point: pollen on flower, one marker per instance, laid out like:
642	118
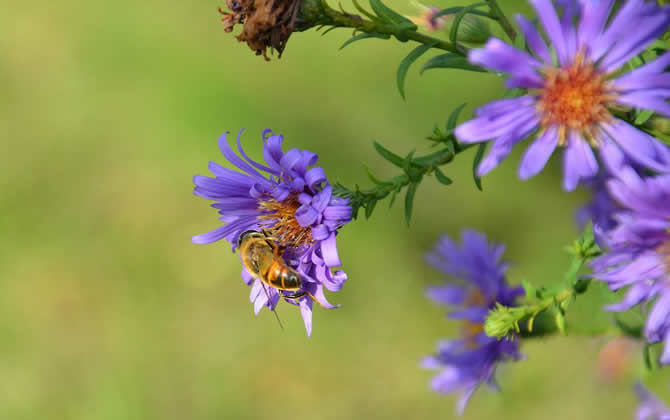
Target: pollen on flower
286	228
574	98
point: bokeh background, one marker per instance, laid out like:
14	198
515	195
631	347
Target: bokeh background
108	311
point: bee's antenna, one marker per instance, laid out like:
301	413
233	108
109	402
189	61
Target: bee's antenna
274	311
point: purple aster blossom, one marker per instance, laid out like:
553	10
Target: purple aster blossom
571	88
650	408
600	210
637	251
470	360
293	200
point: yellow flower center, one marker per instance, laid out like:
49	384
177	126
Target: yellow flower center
574	98
286	229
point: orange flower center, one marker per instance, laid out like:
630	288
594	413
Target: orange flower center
286	230
469	329
664	250
575	98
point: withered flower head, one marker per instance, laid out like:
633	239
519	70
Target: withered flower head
266	23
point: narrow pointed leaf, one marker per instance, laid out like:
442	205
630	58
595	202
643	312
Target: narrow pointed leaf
389	155
409	201
643	116
364	36
450	61
441	177
370	208
453	117
389	15
478	158
454	10
374	179
365	12
407	62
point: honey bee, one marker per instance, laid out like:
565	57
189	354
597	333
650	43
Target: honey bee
262	257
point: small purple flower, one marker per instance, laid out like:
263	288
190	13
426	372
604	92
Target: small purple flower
638	250
471	360
650	408
571	89
291	198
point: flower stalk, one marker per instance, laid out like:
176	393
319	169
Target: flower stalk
318	13
497	14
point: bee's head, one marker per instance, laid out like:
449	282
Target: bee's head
245	235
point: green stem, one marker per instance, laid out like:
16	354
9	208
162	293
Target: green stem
322	14
497	14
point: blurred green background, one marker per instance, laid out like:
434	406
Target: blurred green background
108	311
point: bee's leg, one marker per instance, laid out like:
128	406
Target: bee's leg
296	296
301	294
311	296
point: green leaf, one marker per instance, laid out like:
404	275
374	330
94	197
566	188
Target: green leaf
453	117
478	158
369	208
409	201
643	116
374	179
454	10
365	12
389	155
407	62
389	15
364	36
450	61
441	177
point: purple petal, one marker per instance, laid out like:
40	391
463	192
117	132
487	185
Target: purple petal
447	295
500	56
306	312
552	26
248	159
635	295
639	146
233	158
272	152
646	100
329	251
475	314
290	159
337	212
315	177
579	162
538	154
321	298
260	301
306	215
246	277
320	232
535	41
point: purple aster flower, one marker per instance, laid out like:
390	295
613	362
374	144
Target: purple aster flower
292	199
600	210
638	250
470	360
572	88
650	408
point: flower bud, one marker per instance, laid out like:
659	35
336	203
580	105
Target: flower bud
473	30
